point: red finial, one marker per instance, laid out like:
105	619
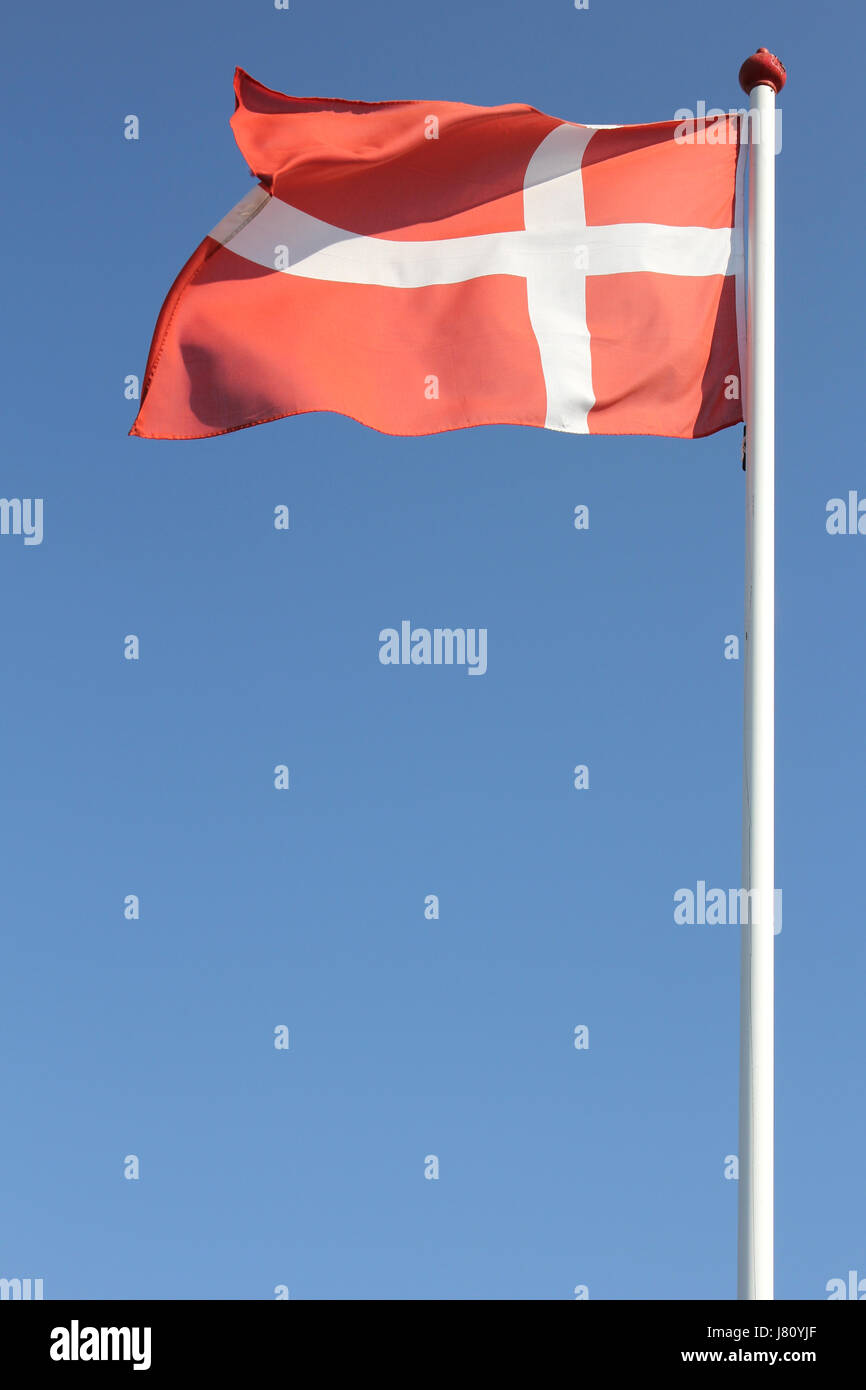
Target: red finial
762	69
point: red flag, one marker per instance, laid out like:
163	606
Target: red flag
422	266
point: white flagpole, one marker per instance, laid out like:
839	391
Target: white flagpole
762	76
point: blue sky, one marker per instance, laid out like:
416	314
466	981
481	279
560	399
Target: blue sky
409	1037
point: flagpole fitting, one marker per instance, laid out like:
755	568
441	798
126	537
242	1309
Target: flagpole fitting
763	69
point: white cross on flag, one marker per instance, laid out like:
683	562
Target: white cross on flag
423	266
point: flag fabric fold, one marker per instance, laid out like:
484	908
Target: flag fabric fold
424	266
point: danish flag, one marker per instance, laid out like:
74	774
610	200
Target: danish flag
423	266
